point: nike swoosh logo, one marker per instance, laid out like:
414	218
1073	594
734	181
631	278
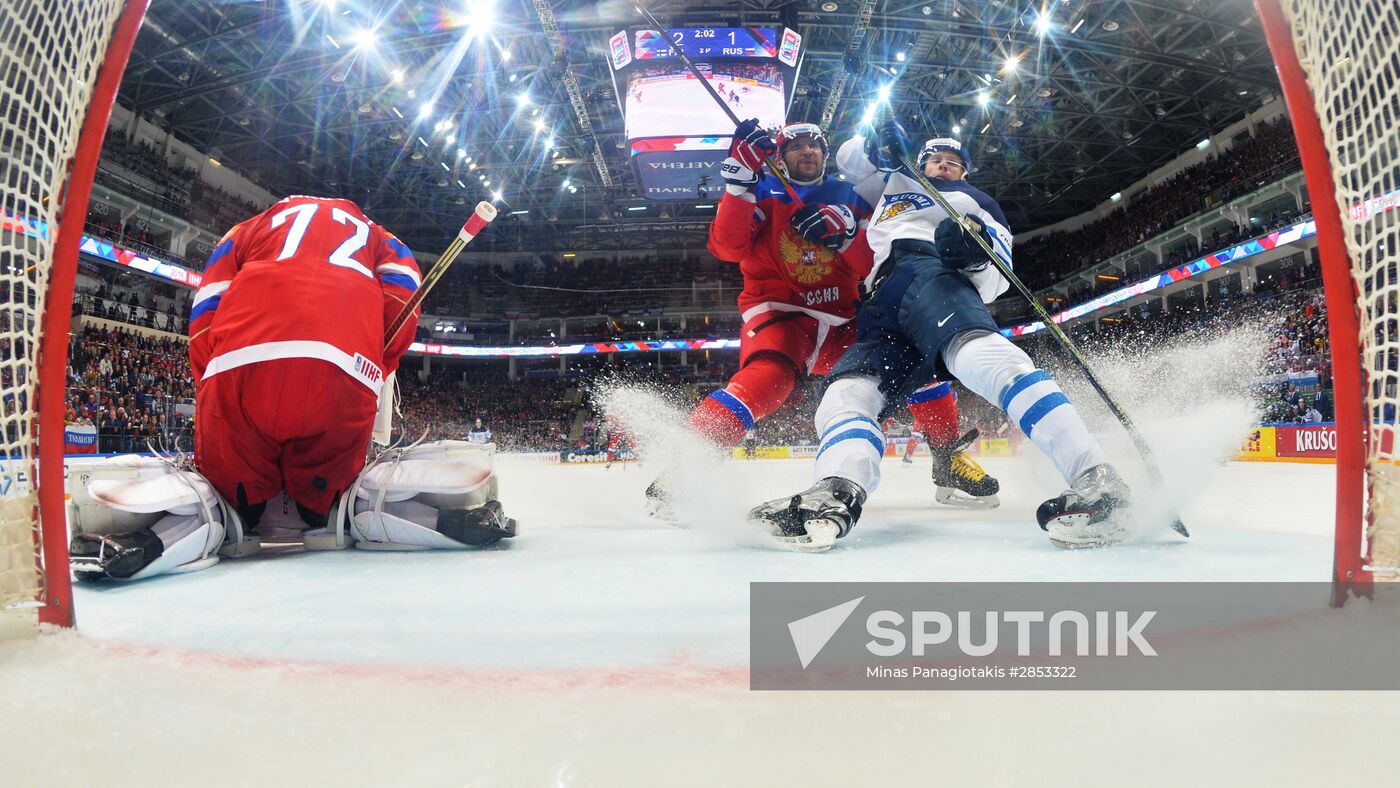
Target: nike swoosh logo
946	319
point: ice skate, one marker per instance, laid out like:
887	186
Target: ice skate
483	525
659	504
119	556
1091	513
959	480
812	520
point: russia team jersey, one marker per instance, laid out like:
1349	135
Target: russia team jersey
782	270
903	209
310	277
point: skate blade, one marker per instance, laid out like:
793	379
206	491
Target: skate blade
664	513
1072	531
820	537
961	500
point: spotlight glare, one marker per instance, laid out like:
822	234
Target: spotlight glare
899	57
397	76
496	195
957	129
425	111
1042	23
522	98
983	99
1011	64
365	39
539	124
885	92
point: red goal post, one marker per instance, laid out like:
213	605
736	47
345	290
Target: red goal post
1339	65
60	65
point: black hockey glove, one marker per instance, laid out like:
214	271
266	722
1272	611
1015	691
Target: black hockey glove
888	145
958	248
832	226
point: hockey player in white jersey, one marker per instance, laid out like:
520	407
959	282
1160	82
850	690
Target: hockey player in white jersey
925	315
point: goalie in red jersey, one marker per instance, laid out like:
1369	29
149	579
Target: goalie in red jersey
288	353
802	265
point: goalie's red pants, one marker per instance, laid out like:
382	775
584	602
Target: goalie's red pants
299	425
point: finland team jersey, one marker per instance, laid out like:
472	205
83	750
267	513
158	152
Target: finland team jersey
903	209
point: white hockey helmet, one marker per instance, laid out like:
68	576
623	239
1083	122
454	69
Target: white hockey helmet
940	144
792	131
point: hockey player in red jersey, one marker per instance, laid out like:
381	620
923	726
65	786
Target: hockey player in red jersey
802	265
288	353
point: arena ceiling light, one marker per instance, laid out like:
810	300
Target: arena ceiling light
1011	64
497	196
539	124
983	99
1042	22
522	99
425	111
364	39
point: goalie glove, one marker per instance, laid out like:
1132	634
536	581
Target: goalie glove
958	248
832	226
888	146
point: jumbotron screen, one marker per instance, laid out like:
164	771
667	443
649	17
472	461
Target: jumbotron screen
677	132
666	100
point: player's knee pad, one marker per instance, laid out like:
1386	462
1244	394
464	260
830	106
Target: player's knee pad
421	498
160	509
986	362
764	384
850	395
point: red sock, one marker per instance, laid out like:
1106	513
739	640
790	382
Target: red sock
911	445
755	392
935	409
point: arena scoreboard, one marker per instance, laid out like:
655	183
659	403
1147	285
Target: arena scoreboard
676	133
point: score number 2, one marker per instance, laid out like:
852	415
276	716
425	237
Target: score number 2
301	216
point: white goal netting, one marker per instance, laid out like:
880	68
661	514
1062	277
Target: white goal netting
1350	51
50	53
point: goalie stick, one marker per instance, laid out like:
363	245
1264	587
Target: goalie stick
1154	472
481	216
705	83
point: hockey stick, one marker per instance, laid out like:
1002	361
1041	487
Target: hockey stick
1154	472
705	83
384	417
481	217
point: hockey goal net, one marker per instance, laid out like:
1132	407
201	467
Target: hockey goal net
60	63
1339	65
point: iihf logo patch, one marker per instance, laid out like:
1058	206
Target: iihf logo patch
895	204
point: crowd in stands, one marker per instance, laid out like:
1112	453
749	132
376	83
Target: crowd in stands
129	386
557	287
138	170
524	416
1249	164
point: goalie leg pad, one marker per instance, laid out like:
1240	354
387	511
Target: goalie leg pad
137	517
402	497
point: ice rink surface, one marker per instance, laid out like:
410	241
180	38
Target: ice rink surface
602	648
